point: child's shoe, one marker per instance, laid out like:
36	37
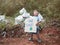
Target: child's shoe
30	39
39	40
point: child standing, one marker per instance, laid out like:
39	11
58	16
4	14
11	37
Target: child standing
39	19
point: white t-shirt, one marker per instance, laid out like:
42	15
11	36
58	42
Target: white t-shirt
39	17
26	15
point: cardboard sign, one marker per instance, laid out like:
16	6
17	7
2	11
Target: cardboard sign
30	25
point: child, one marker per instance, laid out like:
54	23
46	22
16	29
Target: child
39	19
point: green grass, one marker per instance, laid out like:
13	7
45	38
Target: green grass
50	9
2	25
11	22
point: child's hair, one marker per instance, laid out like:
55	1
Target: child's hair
35	11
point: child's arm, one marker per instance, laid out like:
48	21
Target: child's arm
38	23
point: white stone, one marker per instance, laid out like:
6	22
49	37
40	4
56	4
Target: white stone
23	10
2	18
20	18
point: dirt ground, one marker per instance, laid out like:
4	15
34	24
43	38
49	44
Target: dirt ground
49	36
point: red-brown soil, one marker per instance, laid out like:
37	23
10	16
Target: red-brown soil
49	36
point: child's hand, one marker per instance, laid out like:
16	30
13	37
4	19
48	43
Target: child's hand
38	24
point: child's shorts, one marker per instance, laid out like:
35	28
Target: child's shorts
38	30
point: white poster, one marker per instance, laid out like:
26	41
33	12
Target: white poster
30	25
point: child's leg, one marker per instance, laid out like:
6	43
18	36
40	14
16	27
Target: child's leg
31	37
39	40
38	35
38	32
